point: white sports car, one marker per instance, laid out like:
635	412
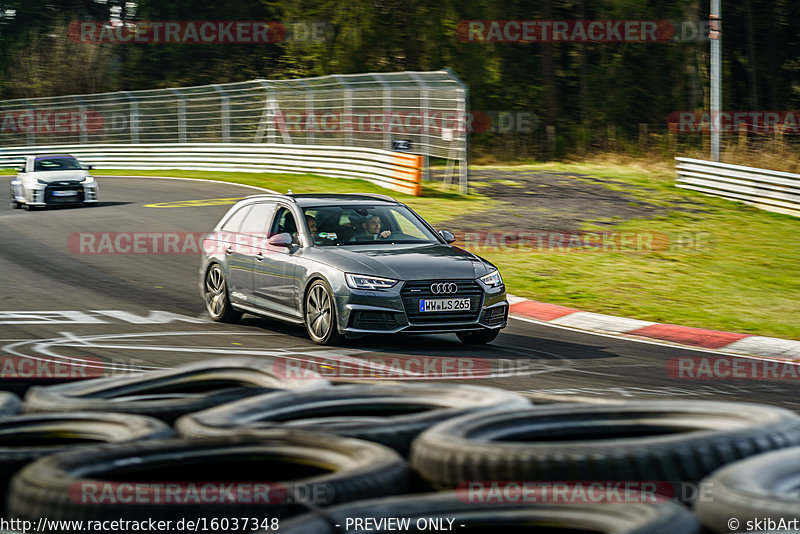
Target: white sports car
47	180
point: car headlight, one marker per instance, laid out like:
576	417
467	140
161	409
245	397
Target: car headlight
493	279
363	281
38	181
88	180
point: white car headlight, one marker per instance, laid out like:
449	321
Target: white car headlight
88	180
493	279
363	281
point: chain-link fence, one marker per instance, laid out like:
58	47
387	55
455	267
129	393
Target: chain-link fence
416	112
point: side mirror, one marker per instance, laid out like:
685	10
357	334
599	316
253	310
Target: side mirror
21	169
447	236
88	167
280	240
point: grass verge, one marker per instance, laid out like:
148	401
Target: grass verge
437	204
728	266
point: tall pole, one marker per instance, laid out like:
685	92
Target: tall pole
715	35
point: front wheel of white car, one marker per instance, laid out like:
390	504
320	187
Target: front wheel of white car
13	202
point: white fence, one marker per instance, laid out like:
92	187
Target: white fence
423	113
394	170
769	190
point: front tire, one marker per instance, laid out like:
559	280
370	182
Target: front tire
482	337
218	303
320	314
13	202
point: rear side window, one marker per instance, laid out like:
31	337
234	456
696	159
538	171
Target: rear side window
258	218
234	222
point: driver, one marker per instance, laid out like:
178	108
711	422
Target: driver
372	230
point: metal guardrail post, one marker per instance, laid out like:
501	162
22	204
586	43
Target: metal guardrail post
424	109
133	119
30	138
83	135
225	113
387	111
309	135
348	110
181	114
463	174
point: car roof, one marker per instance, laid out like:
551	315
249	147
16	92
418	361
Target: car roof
326	199
42	156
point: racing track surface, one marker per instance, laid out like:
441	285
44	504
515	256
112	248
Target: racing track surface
121	311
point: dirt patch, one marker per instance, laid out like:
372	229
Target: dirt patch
537	200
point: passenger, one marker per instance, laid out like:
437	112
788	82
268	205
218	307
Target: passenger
312	227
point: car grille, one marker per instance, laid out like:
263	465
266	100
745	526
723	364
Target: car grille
53	193
415	290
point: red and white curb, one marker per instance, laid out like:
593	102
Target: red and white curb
767	347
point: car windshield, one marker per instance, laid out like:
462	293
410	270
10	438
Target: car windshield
56	164
358	225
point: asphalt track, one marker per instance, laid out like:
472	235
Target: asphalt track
116	312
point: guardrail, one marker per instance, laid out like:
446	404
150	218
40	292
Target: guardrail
769	190
393	170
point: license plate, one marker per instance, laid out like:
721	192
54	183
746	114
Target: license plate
64	193
439	305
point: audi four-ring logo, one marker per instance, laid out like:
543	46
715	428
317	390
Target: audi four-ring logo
443	287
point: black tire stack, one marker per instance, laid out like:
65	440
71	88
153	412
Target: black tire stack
406	451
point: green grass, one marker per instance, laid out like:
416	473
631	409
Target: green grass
742	277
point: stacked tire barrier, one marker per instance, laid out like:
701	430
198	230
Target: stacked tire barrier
315	455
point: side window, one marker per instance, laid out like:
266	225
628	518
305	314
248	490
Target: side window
257	219
284	222
234	222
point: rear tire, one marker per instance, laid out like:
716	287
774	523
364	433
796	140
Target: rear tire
320	315
218	303
481	337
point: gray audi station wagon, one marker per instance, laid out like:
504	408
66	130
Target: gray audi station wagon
348	265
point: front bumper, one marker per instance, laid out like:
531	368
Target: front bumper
57	194
396	310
